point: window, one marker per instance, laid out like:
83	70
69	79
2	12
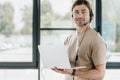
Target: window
110	31
16	33
56	20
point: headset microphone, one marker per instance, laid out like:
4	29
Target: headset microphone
85	23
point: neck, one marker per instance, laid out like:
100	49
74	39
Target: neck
82	29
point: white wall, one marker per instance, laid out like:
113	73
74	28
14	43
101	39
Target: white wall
32	74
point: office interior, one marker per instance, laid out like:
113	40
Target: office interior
25	24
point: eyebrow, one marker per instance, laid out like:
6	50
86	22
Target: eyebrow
81	10
84	10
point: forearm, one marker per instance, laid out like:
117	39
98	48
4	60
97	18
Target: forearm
97	73
90	74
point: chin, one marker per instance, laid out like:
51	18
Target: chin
80	25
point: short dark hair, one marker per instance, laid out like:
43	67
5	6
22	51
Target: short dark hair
85	2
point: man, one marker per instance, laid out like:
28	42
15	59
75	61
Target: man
85	46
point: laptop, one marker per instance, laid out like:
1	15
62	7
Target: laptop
55	56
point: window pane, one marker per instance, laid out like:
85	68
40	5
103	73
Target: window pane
111	28
16	30
54	37
57	14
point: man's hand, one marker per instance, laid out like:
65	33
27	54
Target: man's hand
63	71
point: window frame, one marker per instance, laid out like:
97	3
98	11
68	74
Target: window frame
109	65
98	28
35	41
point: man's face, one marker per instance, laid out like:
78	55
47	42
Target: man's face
81	15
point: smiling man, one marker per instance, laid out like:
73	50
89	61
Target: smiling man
85	46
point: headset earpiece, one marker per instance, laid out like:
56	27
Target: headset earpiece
91	15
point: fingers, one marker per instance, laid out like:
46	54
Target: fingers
63	71
58	70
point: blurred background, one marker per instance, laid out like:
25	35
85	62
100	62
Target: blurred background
17	35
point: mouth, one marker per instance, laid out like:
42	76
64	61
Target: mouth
80	21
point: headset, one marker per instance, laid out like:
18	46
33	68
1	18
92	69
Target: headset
91	15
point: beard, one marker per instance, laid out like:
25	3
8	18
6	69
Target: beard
82	24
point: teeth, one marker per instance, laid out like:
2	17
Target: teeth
81	21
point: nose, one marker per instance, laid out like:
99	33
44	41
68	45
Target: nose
80	15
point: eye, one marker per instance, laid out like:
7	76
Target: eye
83	12
76	12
